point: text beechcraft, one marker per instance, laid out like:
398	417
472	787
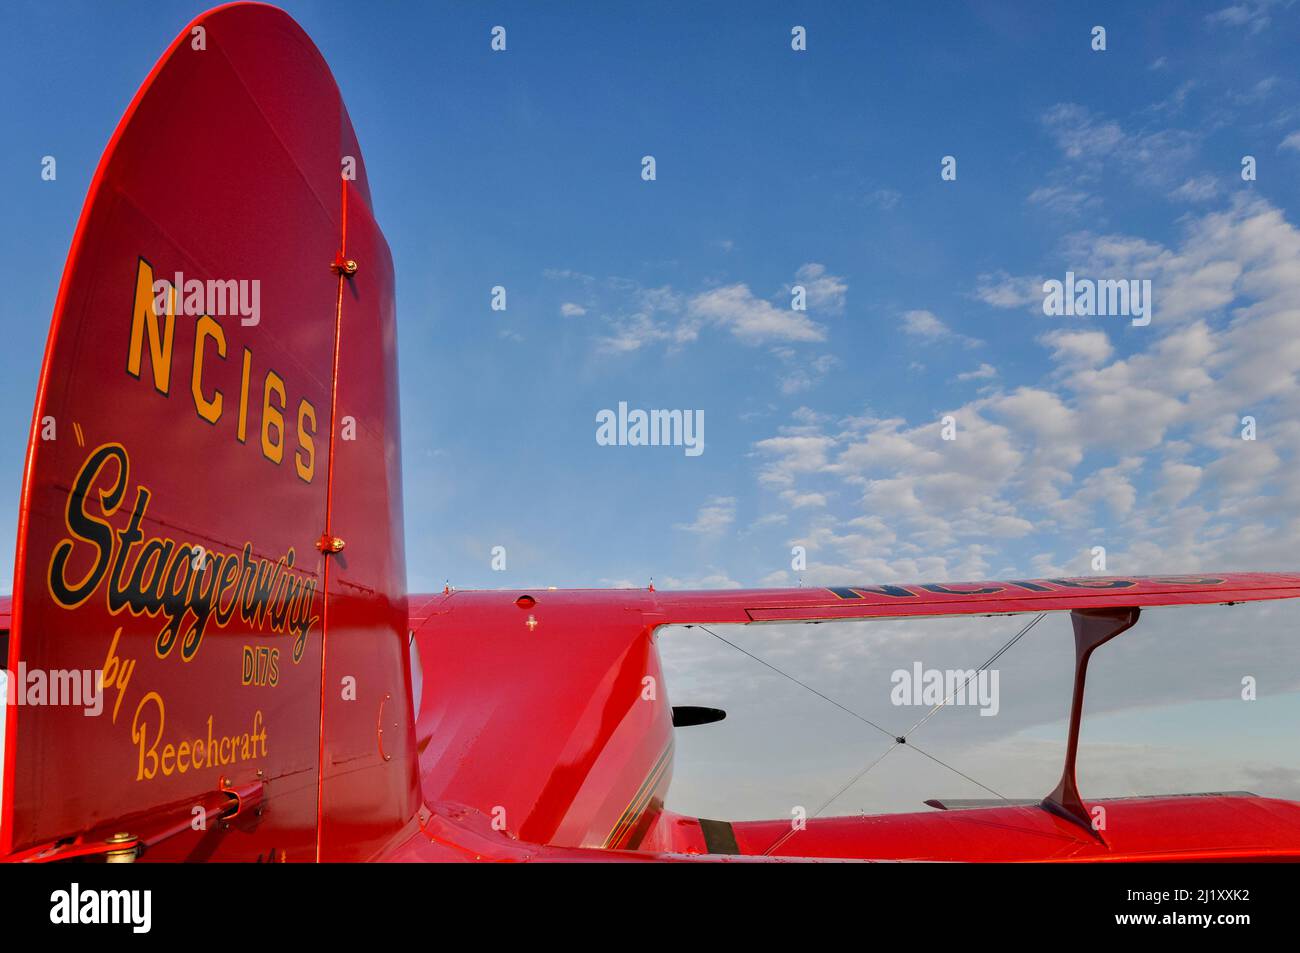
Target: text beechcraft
211	521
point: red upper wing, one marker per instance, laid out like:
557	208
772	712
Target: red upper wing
969	598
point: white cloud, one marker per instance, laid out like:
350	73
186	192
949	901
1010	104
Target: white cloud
1061	199
1142	446
803	376
794	455
984	372
633	332
1177	482
1200	188
714	580
1088	140
926	326
1175	101
713	518
1001	290
1089	348
635	317
1080	134
1251	15
801	500
826	292
750	319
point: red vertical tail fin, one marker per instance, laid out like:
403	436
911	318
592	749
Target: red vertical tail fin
188	454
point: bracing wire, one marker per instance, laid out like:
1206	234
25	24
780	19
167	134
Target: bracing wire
898	740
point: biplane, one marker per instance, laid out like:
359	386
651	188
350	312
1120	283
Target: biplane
211	523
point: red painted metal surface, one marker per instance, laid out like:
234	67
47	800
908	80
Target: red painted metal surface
284	709
218	434
968	598
555	701
370	788
554	717
1138	829
1093	628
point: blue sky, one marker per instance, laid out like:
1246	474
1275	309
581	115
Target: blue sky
774	167
523	169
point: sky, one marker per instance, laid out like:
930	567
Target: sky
823	169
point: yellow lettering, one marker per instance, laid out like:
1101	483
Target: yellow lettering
116	672
273	417
242	433
160	340
209	410
139	732
169	759
306	467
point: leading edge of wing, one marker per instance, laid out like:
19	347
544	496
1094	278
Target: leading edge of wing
828	603
910	600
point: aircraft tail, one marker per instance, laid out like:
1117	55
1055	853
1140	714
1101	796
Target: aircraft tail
209	634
